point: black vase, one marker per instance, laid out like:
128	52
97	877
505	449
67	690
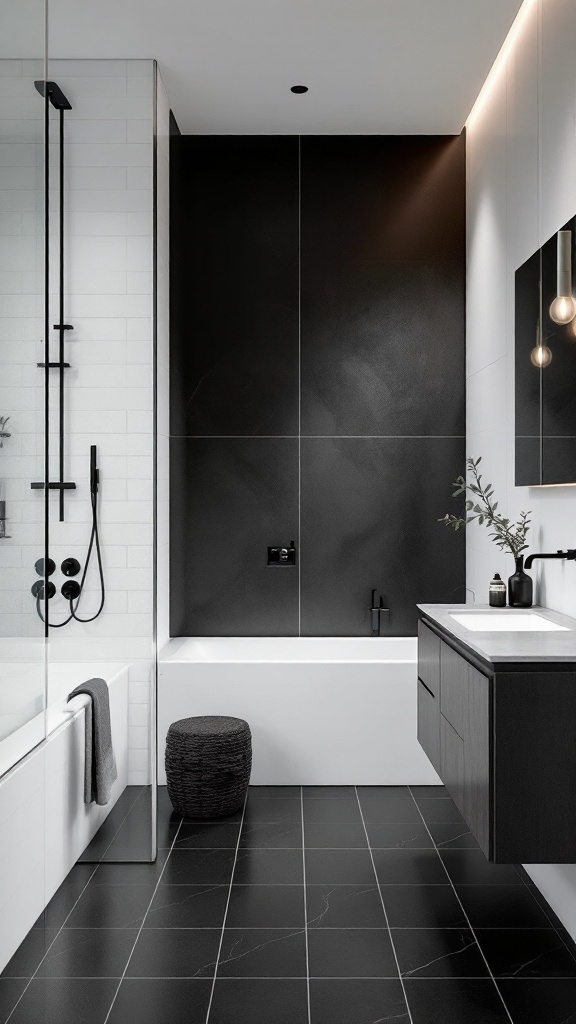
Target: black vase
520	587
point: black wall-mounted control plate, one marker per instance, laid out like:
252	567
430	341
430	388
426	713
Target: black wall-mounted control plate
282	556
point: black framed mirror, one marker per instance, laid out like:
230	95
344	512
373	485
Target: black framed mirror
545	363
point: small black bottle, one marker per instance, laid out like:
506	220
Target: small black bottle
497	592
520	587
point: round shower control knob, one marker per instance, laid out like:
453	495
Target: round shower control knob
70	589
37	589
50	567
70	566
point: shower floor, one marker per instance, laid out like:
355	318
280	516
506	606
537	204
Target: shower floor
387	912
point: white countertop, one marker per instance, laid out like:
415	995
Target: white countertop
507	647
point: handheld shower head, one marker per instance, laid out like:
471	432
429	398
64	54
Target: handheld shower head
94	472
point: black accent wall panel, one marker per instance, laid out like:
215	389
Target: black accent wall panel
229	499
370	510
234	294
317	379
383	285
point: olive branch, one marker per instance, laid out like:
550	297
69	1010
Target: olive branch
506	535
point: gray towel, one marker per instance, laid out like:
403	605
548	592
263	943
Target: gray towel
100	764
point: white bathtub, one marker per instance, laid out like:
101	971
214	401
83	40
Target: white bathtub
323	711
44	823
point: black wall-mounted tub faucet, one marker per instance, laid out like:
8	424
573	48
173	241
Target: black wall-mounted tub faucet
377	608
569	556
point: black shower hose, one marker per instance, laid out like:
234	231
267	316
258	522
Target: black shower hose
94	542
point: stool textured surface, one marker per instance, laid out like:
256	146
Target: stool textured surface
208	764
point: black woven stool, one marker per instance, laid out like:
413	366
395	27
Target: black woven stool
208	763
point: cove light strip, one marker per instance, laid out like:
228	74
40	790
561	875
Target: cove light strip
501	60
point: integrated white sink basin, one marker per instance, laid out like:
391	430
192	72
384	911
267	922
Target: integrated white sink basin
506	622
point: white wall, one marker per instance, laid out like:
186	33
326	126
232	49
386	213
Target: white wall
521	189
109	389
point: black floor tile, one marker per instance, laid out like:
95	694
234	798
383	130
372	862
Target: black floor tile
269	835
130	874
332	837
29	953
470	867
263	953
328	792
273	809
161	1001
266	906
89	953
501	906
259	1001
199	867
455	1001
65	1001
335	811
351	953
422	906
10	991
386	811
545	1001
111	906
207	837
438	953
344	906
530	953
66	896
339	866
429	792
269	867
175	953
409	867
443	812
109	829
452	837
289	792
188	906
350	1001
399	837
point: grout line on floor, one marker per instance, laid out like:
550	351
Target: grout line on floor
305	907
225	912
71	911
384	910
473	931
141	926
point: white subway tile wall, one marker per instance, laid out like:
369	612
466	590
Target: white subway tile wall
109	238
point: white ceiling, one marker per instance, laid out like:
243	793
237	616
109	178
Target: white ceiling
372	66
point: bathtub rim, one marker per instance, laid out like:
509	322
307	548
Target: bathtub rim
173	652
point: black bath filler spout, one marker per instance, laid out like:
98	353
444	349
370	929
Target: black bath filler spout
568	556
377	609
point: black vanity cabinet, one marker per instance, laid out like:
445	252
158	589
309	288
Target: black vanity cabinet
503	740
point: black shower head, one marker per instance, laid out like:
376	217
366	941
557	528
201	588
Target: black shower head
55	94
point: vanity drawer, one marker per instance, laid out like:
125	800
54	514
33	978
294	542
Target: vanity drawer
429	724
453	702
452	763
429	658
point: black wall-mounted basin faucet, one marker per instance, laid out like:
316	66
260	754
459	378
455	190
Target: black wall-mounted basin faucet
568	556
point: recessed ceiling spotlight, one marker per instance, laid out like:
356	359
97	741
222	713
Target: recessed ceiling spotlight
299	88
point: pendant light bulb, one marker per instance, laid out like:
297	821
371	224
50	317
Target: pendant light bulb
563	309
540	356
